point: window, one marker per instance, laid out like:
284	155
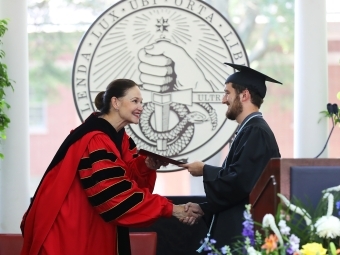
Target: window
38	118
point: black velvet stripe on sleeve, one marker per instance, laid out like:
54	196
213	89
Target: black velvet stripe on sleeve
110	192
123	207
103	154
101	175
87	182
85	163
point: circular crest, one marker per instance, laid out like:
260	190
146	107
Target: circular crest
174	50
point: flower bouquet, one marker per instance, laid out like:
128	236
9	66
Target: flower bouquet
293	230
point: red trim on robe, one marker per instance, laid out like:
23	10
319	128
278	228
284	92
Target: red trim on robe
62	221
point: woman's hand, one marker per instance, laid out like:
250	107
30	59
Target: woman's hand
154	163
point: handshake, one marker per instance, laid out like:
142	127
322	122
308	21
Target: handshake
188	213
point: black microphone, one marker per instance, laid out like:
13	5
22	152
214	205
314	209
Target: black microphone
335	109
331	110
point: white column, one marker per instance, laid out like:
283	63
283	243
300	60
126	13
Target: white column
14	169
311	81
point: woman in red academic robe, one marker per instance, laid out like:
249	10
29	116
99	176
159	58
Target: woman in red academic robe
97	185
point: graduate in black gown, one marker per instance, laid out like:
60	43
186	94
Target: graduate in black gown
227	187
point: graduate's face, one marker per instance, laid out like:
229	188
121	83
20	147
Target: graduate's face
129	107
232	99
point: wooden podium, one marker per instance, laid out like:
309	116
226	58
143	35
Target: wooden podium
292	178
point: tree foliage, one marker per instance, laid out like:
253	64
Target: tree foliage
51	57
5	82
51	51
266	28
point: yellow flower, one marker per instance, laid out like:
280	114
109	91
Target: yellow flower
270	243
313	249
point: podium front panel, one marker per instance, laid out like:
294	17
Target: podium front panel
307	182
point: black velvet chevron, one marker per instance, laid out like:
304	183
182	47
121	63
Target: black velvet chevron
92	123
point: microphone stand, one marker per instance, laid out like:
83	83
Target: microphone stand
327	139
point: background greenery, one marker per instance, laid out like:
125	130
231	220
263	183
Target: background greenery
5	82
265	27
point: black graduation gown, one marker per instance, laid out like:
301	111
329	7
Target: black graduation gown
228	187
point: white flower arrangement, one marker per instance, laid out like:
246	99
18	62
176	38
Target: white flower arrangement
283	234
328	226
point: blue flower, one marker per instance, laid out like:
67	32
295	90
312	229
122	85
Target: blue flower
212	241
338	206
248	227
247	215
294	243
224	250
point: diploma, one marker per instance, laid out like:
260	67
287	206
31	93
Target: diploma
159	157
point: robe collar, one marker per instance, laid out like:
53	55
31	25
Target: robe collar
244	122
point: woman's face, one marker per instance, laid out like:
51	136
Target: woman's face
130	106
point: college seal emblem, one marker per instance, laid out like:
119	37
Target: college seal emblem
174	50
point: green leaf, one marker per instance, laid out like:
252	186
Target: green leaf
332	248
4	83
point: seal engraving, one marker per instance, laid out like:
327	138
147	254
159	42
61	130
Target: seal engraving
174	50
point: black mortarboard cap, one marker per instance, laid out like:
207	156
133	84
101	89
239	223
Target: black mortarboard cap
250	78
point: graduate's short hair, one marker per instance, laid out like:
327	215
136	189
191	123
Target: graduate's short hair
255	98
117	88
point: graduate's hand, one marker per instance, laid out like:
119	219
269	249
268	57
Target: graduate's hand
184	216
154	163
194	212
195	168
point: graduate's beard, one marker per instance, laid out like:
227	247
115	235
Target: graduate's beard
235	109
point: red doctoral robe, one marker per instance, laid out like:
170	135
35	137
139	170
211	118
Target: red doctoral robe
95	187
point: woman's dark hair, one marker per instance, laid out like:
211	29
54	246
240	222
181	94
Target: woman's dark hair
116	88
255	98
